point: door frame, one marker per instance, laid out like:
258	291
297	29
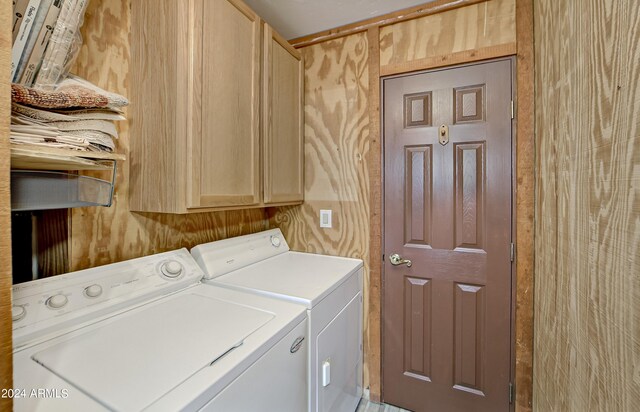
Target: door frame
512	343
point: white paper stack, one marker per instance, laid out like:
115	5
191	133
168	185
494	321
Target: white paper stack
62	46
83	129
34	22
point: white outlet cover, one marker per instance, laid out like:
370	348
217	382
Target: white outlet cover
325	218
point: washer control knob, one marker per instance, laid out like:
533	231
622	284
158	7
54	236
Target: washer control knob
18	312
171	269
93	291
275	241
57	301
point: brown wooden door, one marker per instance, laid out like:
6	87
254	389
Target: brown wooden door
447	318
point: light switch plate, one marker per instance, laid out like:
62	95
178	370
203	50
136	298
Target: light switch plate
325	218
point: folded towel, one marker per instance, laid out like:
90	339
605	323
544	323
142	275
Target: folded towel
54	116
72	92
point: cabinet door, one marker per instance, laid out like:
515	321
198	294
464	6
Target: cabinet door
283	121
225	135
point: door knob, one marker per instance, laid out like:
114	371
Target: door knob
396	260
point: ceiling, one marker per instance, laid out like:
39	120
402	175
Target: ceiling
296	18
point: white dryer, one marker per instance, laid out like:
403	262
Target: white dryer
145	334
331	289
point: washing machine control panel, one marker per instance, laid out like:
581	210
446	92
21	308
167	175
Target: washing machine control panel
171	269
44	303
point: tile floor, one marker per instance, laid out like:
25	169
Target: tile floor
366	405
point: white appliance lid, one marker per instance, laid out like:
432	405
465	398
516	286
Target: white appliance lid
129	363
300	277
224	256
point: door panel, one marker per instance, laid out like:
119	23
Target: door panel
418	192
469	170
447	317
417	333
469	337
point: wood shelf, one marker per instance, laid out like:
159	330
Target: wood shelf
35	157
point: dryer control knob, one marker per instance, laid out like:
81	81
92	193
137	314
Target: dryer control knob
18	312
275	241
93	291
171	269
57	301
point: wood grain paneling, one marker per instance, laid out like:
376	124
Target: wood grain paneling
501	26
476	32
587	290
524	207
336	152
373	353
53	245
6	362
432	7
105	235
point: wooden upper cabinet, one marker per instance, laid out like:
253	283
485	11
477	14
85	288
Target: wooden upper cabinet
283	120
225	166
205	135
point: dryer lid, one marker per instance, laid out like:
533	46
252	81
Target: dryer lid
304	278
136	358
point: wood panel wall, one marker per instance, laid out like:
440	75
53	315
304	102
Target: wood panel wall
106	235
336	113
524	206
476	32
6	362
342	147
587	292
451	32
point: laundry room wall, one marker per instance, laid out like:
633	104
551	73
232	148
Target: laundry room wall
337	157
587	291
342	141
6	364
104	235
342	151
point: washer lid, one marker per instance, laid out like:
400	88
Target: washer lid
132	361
299	277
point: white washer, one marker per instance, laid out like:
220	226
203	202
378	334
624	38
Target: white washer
147	335
331	289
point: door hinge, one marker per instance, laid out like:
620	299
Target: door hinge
513	110
512	252
510	393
